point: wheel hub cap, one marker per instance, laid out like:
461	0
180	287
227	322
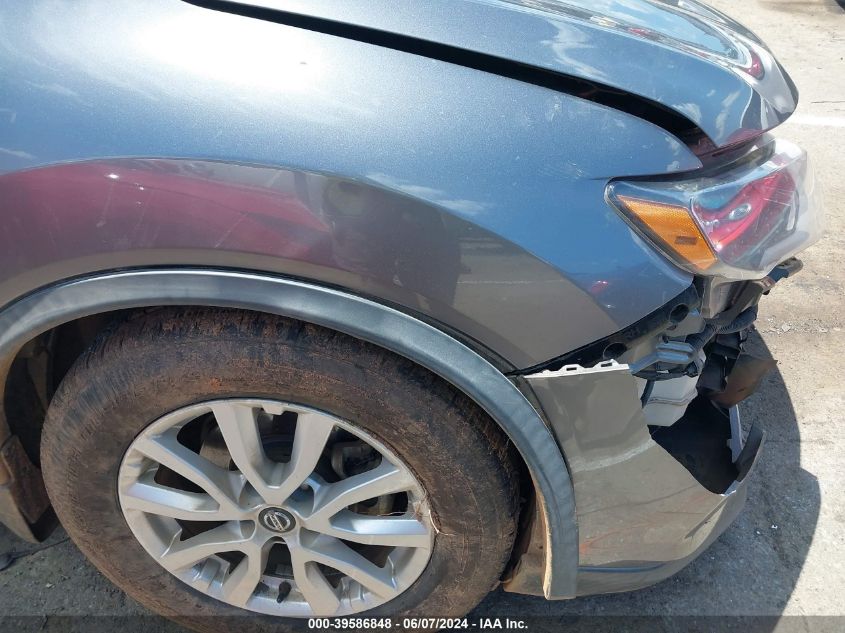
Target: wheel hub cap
277	520
276	508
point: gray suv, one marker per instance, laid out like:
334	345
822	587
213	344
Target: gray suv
367	307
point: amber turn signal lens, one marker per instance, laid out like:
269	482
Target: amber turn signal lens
675	227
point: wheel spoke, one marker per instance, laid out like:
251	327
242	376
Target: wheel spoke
320	595
241	582
384	479
187	553
336	554
220	484
239	425
401	531
148	496
312	432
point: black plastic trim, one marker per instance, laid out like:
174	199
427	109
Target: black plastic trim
592	353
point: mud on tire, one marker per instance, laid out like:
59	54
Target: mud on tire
157	362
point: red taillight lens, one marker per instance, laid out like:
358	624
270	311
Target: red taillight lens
750	216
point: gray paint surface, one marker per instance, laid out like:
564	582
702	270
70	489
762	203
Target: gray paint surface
94	80
643	47
527	165
97	215
641	514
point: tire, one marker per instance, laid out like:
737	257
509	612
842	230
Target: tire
158	362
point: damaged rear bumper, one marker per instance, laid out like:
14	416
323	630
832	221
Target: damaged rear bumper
648	499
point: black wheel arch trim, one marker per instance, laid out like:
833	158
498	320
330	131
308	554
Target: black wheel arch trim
371	321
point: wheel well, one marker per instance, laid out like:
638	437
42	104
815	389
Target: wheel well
42	333
42	363
37	370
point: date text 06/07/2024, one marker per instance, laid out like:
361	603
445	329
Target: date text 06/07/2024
412	624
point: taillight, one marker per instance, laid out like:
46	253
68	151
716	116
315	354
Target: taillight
738	223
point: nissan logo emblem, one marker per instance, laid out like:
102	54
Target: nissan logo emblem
276	519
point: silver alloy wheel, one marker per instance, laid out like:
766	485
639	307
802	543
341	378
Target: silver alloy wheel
280	537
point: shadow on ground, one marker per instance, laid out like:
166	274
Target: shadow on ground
804	6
